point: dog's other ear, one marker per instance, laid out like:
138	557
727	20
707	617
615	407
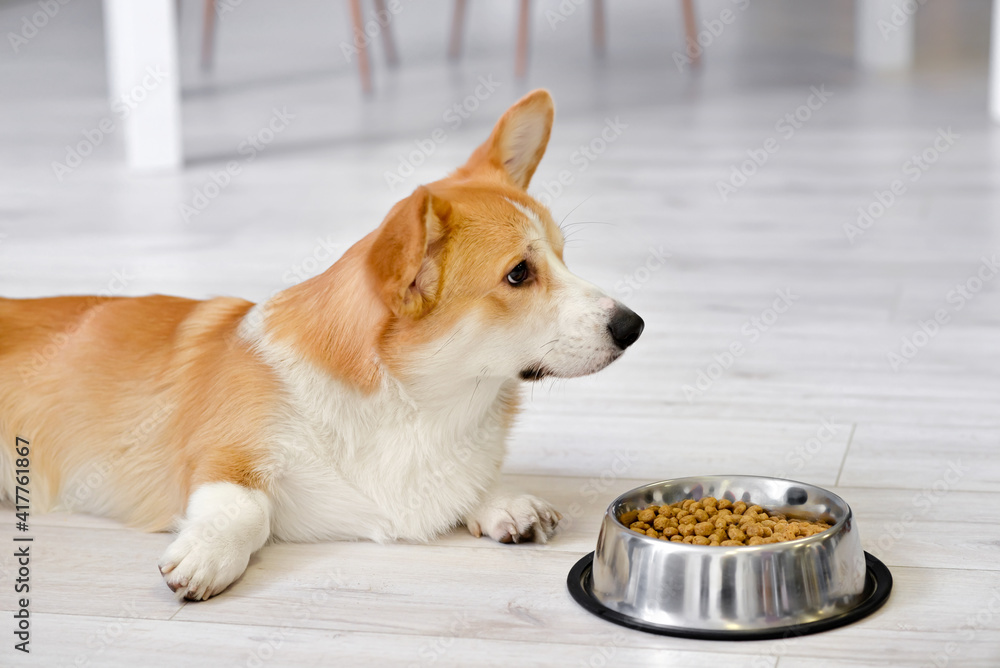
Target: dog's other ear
518	141
403	258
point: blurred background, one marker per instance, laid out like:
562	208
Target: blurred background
737	185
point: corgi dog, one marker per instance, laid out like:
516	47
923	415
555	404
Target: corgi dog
372	401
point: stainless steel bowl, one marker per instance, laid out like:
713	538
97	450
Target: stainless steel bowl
758	588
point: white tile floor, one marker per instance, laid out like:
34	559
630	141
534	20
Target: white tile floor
894	434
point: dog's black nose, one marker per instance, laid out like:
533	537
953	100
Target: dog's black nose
625	327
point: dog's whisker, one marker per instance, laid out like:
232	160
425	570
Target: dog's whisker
568	233
584	201
591	222
450	339
473	395
540	366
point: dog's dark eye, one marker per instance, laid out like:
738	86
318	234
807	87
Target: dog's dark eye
518	274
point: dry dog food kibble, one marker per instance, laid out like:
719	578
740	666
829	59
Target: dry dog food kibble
711	521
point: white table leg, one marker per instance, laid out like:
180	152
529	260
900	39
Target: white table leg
883	33
995	63
144	80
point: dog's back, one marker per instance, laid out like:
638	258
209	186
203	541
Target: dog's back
95	385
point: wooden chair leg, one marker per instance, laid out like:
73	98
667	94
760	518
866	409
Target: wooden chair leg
691	32
364	67
521	63
457	26
208	36
391	57
599	27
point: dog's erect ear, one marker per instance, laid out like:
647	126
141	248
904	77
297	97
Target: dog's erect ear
518	141
403	258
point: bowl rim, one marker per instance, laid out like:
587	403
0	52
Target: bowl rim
816	537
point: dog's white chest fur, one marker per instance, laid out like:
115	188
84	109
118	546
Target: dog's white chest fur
381	467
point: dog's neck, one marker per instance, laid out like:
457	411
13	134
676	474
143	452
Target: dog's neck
453	410
326	330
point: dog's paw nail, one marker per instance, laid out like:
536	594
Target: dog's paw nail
518	519
474	528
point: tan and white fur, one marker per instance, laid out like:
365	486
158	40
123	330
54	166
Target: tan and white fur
370	402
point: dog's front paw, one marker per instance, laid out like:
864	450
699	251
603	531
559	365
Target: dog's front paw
197	567
512	519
